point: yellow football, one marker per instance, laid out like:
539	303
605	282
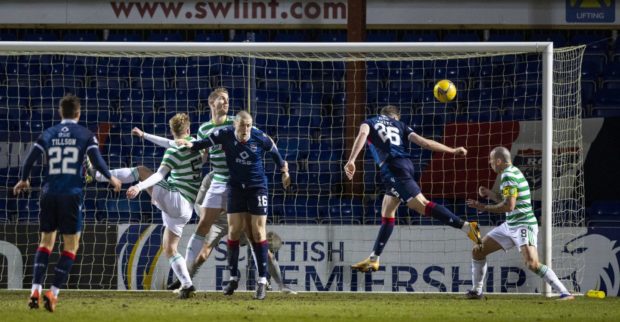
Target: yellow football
444	91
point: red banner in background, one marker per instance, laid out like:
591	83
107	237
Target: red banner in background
449	176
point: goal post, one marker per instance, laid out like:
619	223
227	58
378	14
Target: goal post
524	95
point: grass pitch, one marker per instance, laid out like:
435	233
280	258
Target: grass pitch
95	306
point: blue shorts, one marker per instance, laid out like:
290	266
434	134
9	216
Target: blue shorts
397	175
251	200
60	212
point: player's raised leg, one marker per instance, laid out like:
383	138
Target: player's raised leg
443	214
388	219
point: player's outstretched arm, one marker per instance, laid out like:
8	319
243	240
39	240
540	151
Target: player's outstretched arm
488	193
93	154
152	180
435	146
503	206
158	140
362	135
24	183
269	145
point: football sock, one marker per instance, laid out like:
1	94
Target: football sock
125	175
548	275
442	214
180	270
261	249
194	247
62	269
233	258
478	273
385	231
41	258
465	227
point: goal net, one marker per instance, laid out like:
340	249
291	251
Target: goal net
311	98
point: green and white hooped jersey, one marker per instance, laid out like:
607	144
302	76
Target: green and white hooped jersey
216	154
186	170
514	184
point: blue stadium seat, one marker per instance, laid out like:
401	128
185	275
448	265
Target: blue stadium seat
607	98
290	36
612	71
209	36
172	36
40	35
461	36
332	36
503	36
597	42
413	36
344	211
381	36
28	210
557	37
588	88
8	35
243	35
80	36
301	210
124	36
293	148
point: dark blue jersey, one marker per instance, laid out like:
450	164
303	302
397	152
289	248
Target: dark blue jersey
64	146
244	159
388	138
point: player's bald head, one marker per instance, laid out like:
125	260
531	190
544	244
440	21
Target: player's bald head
243	116
502	154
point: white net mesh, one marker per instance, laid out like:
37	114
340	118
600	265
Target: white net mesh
311	104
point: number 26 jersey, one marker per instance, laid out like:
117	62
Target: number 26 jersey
388	138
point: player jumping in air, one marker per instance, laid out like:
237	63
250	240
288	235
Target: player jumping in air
387	139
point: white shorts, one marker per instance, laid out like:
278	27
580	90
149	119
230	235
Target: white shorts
176	211
509	237
216	197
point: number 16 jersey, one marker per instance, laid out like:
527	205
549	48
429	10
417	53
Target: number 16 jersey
388	138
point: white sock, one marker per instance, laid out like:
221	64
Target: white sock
478	273
373	257
180	270
548	275
194	246
262	280
465	227
36	287
55	290
125	175
274	271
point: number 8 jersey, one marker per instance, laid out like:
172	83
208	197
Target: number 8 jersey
387	138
